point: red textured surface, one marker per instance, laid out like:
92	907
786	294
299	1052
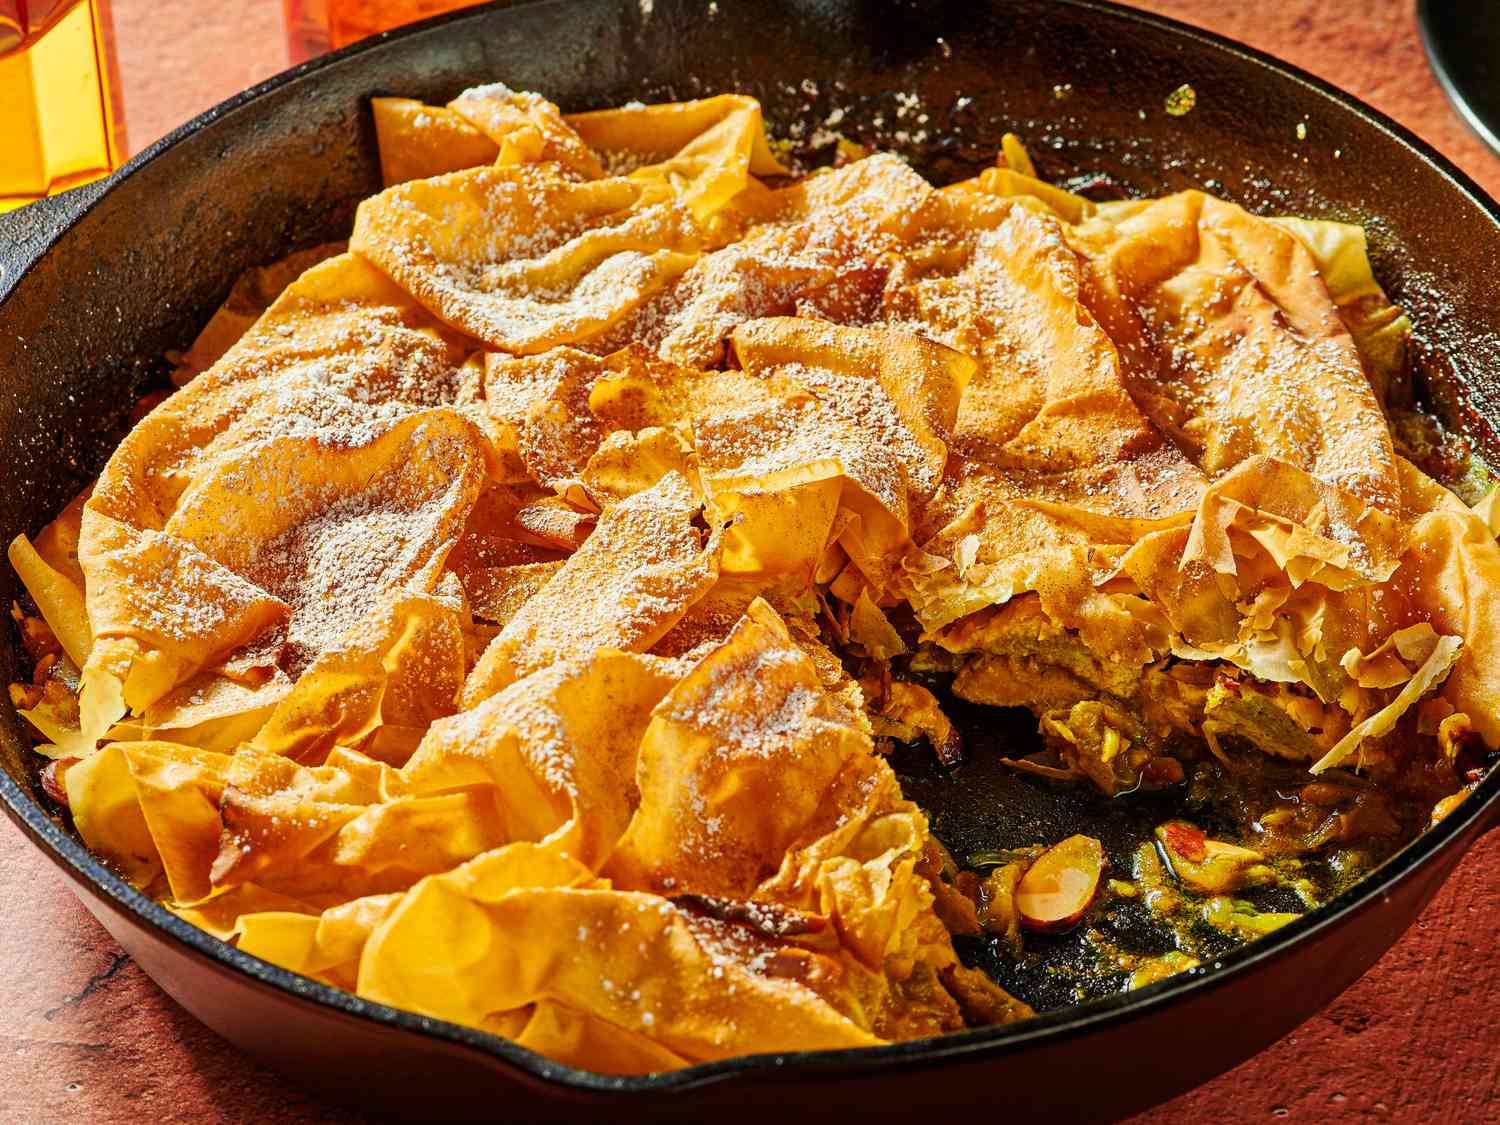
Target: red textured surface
86	1037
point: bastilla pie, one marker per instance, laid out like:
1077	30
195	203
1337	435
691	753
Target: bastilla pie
509	614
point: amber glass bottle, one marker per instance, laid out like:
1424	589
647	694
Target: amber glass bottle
315	26
60	122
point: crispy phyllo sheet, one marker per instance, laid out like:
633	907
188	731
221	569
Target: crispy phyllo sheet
521	257
1233	345
417	141
645	564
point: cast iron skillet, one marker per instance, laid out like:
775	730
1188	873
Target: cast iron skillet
96	286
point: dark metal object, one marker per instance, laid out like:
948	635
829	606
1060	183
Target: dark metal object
95	285
1462	38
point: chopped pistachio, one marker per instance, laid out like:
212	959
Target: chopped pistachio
1181	101
1210	866
1160	968
1235	916
1305	890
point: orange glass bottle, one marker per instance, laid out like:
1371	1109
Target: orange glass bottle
60	120
315	26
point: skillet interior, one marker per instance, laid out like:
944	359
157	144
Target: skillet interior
83	331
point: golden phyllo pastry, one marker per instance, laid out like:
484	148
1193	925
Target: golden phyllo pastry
506	620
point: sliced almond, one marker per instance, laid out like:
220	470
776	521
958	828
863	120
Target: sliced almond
1061	884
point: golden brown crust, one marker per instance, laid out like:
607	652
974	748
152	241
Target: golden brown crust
502	626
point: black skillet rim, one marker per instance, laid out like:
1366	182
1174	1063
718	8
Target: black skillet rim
72	856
